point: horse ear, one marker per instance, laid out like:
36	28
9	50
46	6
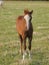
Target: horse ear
26	11
31	12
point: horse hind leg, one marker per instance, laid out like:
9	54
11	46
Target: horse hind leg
21	48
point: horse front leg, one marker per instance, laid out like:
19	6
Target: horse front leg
24	49
30	40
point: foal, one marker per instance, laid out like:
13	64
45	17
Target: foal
25	30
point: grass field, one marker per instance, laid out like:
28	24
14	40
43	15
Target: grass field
9	40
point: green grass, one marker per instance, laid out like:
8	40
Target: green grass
9	40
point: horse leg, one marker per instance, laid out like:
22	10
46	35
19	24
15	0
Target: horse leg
21	50
24	46
30	39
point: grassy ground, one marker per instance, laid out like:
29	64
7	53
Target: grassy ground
9	40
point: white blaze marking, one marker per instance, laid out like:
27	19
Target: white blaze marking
27	18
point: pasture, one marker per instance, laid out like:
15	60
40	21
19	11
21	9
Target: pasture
9	39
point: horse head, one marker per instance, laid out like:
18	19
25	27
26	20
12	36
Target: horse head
28	17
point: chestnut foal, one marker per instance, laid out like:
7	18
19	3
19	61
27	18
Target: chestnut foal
25	30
